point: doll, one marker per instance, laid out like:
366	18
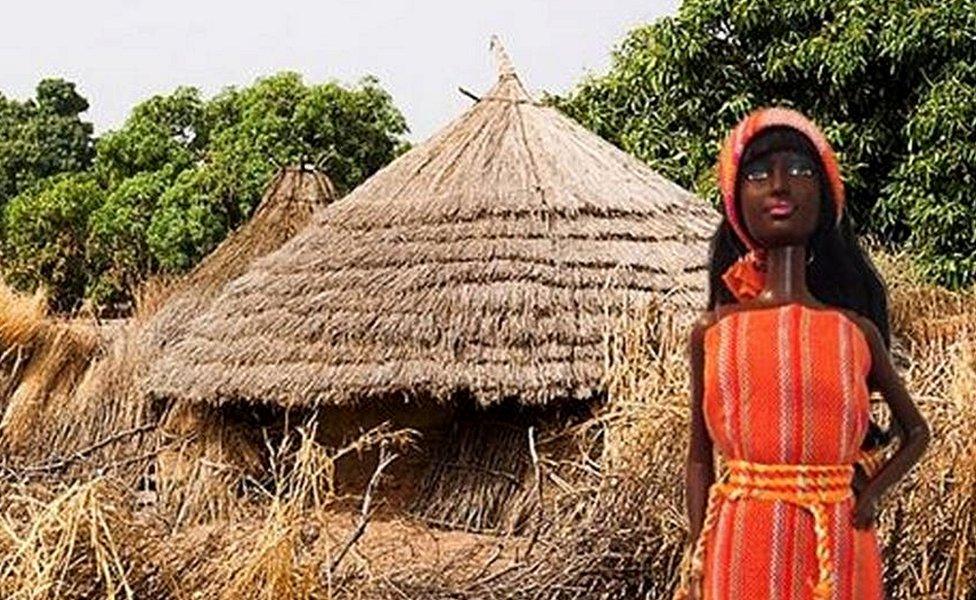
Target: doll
782	365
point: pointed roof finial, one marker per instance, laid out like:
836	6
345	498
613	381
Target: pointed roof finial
502	61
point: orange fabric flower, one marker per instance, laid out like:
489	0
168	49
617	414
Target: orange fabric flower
746	277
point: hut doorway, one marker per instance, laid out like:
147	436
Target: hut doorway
479	476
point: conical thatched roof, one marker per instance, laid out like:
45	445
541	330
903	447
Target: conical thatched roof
483	261
286	207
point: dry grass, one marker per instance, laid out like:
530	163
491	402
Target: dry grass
925	316
201	463
928	524
610	524
60	356
284	542
74	405
74	541
20	316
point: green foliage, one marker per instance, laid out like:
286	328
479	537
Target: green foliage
164	131
44	231
118	253
280	120
42	137
934	189
865	70
187	223
167	187
249	132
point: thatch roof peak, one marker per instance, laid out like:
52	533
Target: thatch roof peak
509	86
502	61
289	200
485	260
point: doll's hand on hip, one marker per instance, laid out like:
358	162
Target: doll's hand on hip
686	593
865	512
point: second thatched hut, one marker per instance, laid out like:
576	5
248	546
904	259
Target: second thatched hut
80	396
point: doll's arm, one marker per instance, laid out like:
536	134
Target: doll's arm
914	429
700	465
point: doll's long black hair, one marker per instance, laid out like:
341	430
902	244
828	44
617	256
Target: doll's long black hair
839	271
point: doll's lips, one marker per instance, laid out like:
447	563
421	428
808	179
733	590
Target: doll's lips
780	209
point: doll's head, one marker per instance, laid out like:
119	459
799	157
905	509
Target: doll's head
780	196
781	185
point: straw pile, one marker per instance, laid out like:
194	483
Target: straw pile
60	354
929	527
20	318
73	542
110	423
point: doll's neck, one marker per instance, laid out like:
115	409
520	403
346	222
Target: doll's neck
786	275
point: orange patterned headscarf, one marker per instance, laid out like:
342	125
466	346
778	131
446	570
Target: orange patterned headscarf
746	277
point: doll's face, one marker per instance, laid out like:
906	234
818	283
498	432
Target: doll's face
780	196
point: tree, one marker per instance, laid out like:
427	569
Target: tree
934	189
188	223
167	187
42	137
234	145
43	232
866	71
118	254
162	132
280	120
223	152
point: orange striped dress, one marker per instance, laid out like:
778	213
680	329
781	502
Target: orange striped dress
786	385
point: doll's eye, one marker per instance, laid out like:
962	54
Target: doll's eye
800	170
759	173
799	166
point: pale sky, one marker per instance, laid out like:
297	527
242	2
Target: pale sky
120	52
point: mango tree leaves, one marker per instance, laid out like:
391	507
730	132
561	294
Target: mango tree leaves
42	137
865	70
44	232
167	187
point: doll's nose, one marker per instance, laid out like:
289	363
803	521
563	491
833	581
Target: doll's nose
779	180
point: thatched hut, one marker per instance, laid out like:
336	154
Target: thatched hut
481	269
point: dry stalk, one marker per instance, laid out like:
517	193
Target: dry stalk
71	546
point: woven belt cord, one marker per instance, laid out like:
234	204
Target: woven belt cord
810	487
